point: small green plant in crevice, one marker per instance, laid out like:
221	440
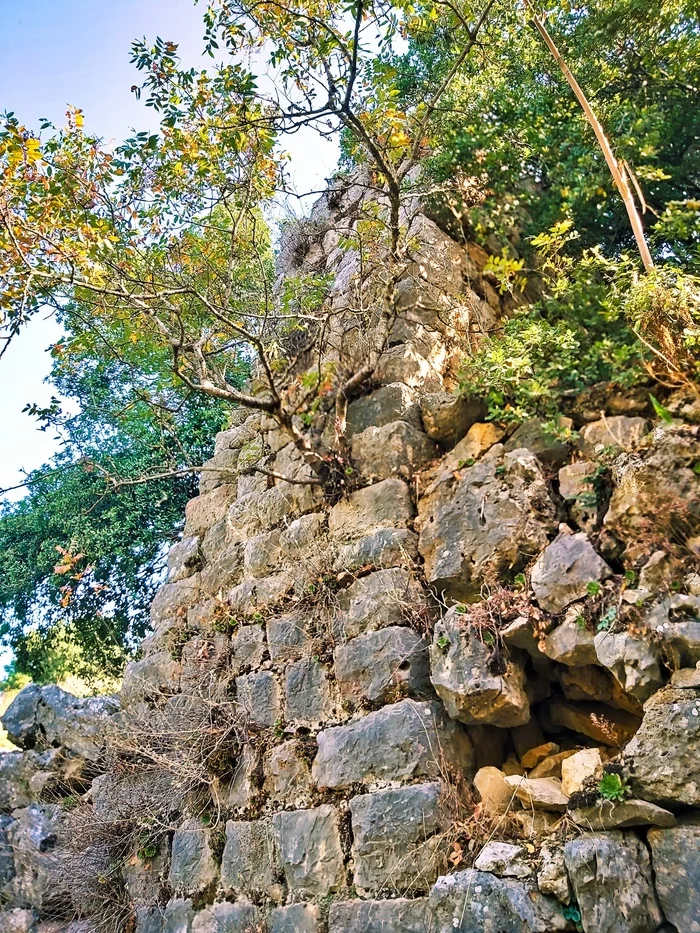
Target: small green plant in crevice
593	588
573	914
443	642
612	786
607	619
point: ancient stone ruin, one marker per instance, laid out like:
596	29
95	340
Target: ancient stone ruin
461	696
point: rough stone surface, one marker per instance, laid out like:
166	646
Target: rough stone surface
307	694
447	418
258	698
399	915
533	435
395	843
675	856
395	449
618	432
224	917
494	791
551	874
376	601
386	548
633	662
578	768
297	918
610	874
608	814
310	851
398	742
192	866
662	758
564	570
493	516
249	862
504	860
382	505
601	723
539	793
389	403
478	902
463	674
383	665
570	644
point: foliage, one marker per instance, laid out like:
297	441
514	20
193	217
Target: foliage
612	787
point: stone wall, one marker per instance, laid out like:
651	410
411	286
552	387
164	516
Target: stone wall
406	710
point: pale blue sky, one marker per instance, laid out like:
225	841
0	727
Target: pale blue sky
59	52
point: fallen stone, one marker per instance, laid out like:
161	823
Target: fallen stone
579	768
551	766
539	793
564	570
383	505
383	665
462	672
662	759
398	915
495	793
609	814
688	678
478	902
675	856
489	518
601	723
633	662
504	860
611	877
534	756
394	449
396	841
617	432
310	850
399	742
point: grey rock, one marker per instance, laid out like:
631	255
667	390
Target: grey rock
33	837
394	449
219	469
192	866
310	850
249	863
307	693
247	647
447	417
178	916
491	517
675	856
461	671
155	675
397	845
608	814
223	570
288	636
262	554
395	402
571	644
302	536
382	505
378	666
172	600
288	775
533	435
399	915
51	716
7	859
618	432
149	920
633	662
224	917
675	622
203	660
206	510
184	559
386	548
18	921
398	742
297	918
564	570
663	757
551	874
504	860
381	599
17	771
611	877
478	902
259	698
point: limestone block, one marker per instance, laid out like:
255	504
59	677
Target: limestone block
675	856
383	665
397	845
618	432
539	793
571	644
219	469
564	570
395	449
223	917
204	511
386	504
297	918
172	600
579	768
675	622
551	874
663	759
478	902
395	402
379	600
17	771
610	874
184	559
504	860
533	435
489	518
494	791
601	723
307	693
379	549
288	775
262	554
633	662
398	742
32	837
310	850
192	866
223	570
461	672
178	916
609	814
448	417
258	697
404	364
398	915
249	862
156	675
288	636
247	647
302	536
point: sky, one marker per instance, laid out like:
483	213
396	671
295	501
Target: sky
59	52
